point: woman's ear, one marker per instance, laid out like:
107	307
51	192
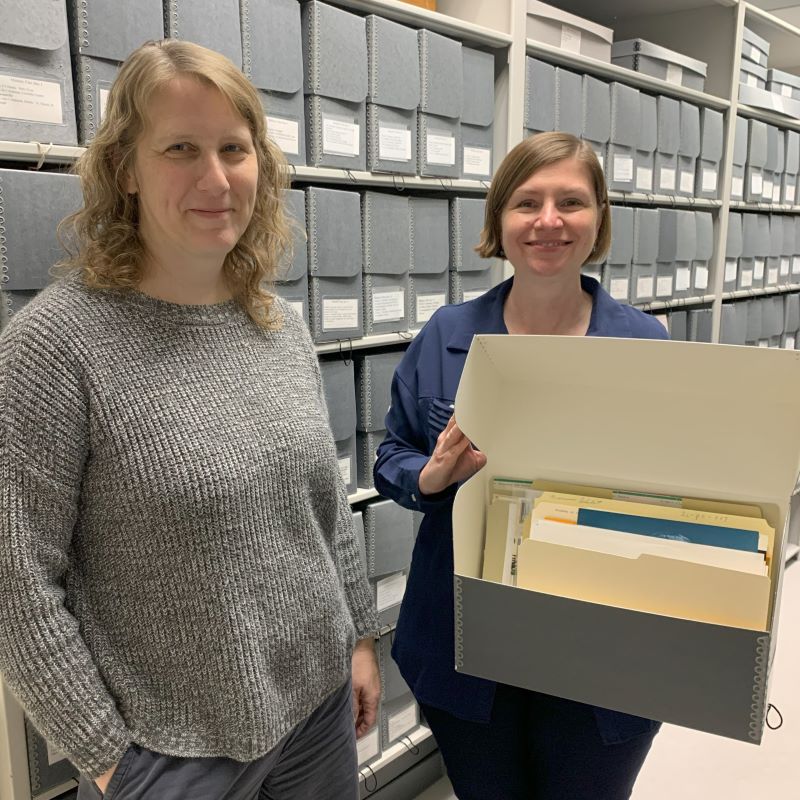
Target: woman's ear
129	181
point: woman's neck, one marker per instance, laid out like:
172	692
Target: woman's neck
547	306
184	283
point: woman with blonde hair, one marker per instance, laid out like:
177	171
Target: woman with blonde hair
547	213
182	609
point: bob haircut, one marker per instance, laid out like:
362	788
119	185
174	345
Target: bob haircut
102	239
530	155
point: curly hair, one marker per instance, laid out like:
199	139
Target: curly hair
530	155
102	239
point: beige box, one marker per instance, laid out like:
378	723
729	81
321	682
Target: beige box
557	28
524	400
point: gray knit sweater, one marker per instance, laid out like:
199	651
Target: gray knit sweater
178	566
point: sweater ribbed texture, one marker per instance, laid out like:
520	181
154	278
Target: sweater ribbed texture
178	566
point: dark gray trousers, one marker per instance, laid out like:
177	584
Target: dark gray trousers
315	761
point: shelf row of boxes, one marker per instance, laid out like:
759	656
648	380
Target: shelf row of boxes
646	143
756	321
656	254
338	89
380	262
761	250
766	163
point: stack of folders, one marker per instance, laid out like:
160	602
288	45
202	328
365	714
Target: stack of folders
676	556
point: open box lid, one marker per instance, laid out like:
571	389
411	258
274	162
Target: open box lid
642	415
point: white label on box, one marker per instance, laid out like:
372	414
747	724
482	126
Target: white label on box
340	137
285	133
737	187
619	288
394	144
758	269
344	469
440	149
785	266
53	755
746	278
297	306
427	304
776	193
795	265
339	314
755	54
786	90
388	306
709	183
473	295
790	195
757	183
763	342
570	39
623	168
644	286
687	182
772	276
389	591
644	179
478	161
402	722
730	270
30	100
667	179
789	342
600	158
766	190
664	286
750	79
701	278
368	746
674	74
103	101
683	279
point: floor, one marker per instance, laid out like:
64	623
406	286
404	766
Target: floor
689	765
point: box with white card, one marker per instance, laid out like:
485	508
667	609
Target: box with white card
791	166
373	397
387	256
389	535
704	223
428	281
754	316
773	269
340	397
540	96
689	149
796	252
441	101
786	84
647	143
756	160
335	72
625	121
659	62
272	50
569	95
773	164
31	206
388	591
733	323
291	280
677	247
617	626
104	33
708	164
669	141
398	718
596	106
571	33
466	286
753	75
755	49
469	273
788	249
738	168
393	89
734	247
335	261
747	259
617	269
645	252
791	320
36	98
477	114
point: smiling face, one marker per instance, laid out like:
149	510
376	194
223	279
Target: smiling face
195	174
551	220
